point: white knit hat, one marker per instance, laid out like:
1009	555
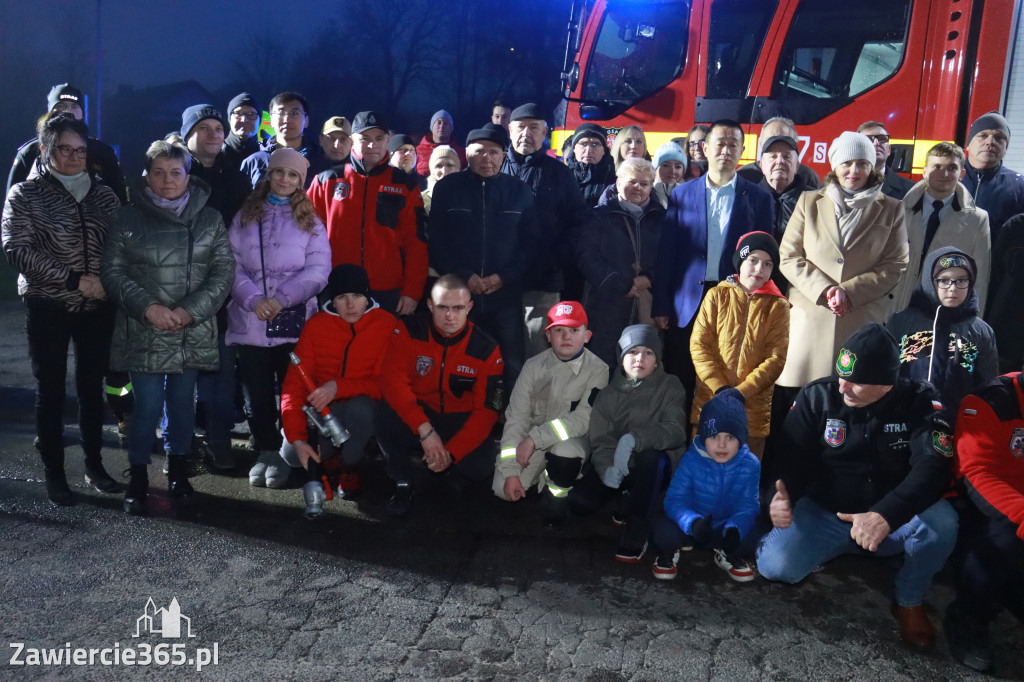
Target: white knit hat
850	146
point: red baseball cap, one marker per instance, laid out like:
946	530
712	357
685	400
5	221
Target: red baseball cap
566	314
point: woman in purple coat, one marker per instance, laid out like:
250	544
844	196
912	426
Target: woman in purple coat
282	261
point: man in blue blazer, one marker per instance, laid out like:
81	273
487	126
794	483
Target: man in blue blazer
706	218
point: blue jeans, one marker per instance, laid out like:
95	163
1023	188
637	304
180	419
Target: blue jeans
151	392
216	391
817	536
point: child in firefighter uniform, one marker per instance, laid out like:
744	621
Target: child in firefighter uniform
544	443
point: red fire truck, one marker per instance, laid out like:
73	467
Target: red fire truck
924	68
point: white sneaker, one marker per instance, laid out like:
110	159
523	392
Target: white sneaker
742	572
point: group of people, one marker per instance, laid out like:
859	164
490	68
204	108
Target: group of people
677	336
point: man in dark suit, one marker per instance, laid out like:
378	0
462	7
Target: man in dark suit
705	219
895	186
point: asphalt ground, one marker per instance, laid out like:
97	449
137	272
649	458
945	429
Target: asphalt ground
467	588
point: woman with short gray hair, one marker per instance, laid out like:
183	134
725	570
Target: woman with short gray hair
168	265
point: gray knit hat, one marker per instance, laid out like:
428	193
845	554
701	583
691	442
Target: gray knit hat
196	113
850	146
640	335
993	120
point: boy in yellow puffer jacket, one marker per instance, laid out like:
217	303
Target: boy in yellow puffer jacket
741	335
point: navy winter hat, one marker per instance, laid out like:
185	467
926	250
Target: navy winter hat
490	132
196	113
870	356
347	278
640	335
64	93
243	99
724	413
755	241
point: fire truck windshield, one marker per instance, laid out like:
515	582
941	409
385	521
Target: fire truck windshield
639	49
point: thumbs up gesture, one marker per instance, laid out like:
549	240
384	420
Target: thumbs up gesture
780	510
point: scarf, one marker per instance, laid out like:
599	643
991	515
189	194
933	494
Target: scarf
275	200
633	209
77	185
175	206
850	207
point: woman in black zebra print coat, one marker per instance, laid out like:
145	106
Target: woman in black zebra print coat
54	229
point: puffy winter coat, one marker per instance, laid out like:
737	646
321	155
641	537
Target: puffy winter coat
727	492
618	247
965	357
427	146
740	340
52	240
153	256
297	265
331	349
653	410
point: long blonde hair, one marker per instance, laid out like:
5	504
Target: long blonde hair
255	206
622	135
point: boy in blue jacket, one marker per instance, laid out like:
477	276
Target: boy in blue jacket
712	500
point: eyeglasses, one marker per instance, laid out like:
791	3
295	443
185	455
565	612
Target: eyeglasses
294	113
945	283
694	145
67	151
884	139
249	116
593	144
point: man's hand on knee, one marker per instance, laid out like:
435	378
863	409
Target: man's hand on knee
868	530
780	510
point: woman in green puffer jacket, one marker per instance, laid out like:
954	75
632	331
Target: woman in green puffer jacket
168	266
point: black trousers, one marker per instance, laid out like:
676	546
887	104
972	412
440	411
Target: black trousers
51	329
399	443
262	370
651	469
989	564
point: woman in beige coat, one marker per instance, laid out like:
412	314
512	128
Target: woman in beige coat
843	251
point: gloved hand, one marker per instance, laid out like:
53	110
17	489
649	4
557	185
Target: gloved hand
700	530
619	469
730	540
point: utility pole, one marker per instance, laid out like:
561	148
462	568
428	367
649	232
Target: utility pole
99	71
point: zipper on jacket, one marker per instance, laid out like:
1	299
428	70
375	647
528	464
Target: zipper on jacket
85	238
483	225
344	357
440	375
362	224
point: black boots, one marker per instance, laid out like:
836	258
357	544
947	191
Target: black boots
98	478
138	484
57	488
177	477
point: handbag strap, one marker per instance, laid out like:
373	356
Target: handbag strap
263	266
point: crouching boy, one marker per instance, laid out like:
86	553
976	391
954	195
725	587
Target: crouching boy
712	500
637	433
544	443
342	349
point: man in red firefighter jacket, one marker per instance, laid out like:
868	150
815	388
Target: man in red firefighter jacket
990	558
443	385
374	217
